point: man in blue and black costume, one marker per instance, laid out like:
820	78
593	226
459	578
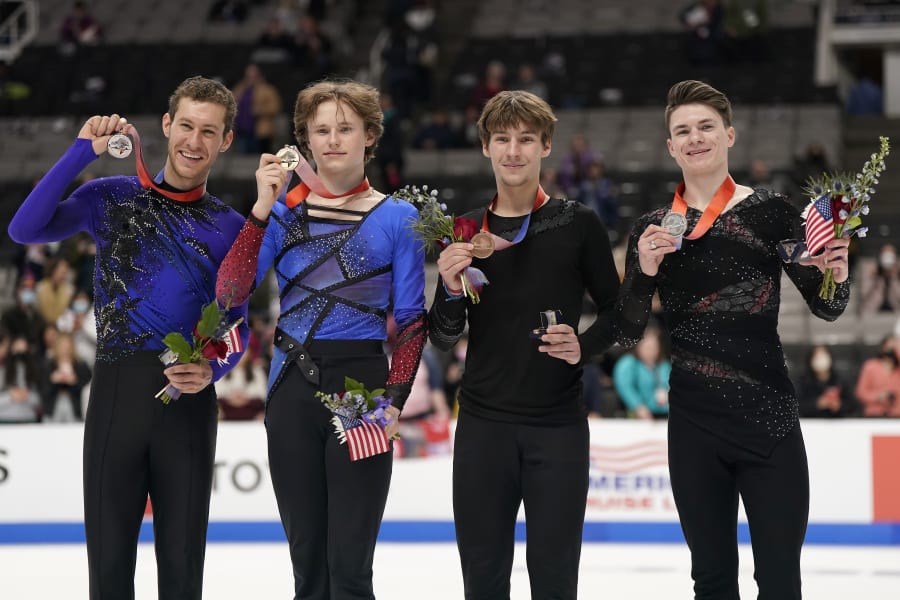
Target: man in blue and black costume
159	245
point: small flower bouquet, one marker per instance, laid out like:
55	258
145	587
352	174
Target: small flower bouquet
438	230
359	418
213	338
838	202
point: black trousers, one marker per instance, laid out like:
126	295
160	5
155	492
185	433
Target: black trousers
496	467
135	446
707	475
331	508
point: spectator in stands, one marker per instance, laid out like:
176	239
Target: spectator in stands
705	24
881	282
821	392
812	163
573	166
259	106
274	45
20	398
229	11
313	48
878	386
641	378
31	260
23	319
54	291
64	377
242	391
79	28
78	322
426	403
493	82
733	426
598	192
761	176
865	97
391	148
526	79
469	129
436	133
746	24
14	92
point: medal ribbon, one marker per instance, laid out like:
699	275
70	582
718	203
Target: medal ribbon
300	192
499	242
147	181
711	213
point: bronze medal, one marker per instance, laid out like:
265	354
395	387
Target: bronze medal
483	245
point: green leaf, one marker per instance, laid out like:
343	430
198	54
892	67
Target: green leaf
852	223
354	386
209	322
180	346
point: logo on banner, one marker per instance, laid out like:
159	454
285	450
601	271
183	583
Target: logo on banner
630	478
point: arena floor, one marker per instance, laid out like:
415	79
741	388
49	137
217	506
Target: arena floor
431	572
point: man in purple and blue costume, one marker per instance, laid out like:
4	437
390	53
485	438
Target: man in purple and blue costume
159	246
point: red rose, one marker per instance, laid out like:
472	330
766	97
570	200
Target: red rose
215	349
464	229
837	205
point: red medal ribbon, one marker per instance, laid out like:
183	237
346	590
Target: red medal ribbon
712	211
300	193
147	181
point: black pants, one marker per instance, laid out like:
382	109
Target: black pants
496	467
135	446
331	508
707	475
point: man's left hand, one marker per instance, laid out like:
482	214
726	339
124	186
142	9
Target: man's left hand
190	378
393	428
561	342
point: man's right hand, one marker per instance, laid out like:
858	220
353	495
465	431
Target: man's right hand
99	129
270	181
451	263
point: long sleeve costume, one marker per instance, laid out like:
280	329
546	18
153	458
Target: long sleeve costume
156	266
733	426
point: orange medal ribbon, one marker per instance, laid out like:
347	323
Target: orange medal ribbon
712	212
299	193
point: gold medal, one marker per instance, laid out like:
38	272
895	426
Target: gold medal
290	157
483	245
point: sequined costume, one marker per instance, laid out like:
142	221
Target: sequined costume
733	408
522	433
155	269
338	271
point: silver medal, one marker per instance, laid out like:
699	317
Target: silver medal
674	223
119	145
290	157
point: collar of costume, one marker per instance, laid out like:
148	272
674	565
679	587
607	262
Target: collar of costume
301	192
539	199
712	211
147	181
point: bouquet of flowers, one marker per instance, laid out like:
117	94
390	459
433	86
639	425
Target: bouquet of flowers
359	418
213	338
438	230
838	202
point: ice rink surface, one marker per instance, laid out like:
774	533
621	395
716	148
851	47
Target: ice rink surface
431	572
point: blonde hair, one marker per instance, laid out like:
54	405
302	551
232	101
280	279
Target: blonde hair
361	98
511	108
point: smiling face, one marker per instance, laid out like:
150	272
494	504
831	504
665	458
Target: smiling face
196	136
338	139
516	154
699	140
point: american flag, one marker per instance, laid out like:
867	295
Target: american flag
363	439
233	340
819	225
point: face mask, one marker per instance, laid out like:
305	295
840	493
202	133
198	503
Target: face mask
887	259
27	297
80	306
821	362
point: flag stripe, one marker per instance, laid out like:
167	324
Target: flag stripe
365	440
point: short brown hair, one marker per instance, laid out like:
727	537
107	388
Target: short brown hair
361	98
696	92
201	89
511	108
